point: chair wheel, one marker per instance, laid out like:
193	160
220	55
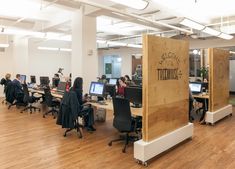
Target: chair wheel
123	150
54	117
65	135
21	112
110	144
145	164
43	116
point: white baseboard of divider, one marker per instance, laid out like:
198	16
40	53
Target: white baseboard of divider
143	151
212	117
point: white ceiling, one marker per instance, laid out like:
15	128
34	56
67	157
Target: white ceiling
52	18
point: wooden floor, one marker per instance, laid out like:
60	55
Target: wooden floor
28	141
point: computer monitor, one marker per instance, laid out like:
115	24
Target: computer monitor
61	86
55	82
110	89
32	79
44	80
134	95
195	87
22	79
113	81
96	89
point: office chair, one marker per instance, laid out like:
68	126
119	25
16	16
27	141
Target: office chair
69	113
29	100
50	102
124	122
12	97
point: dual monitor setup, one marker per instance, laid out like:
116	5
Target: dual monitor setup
198	87
133	94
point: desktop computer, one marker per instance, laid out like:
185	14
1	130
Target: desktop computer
96	89
32	79
113	81
22	79
110	89
44	81
195	87
134	95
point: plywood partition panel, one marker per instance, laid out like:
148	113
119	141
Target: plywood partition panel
165	85
218	79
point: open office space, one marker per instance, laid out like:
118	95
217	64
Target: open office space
117	84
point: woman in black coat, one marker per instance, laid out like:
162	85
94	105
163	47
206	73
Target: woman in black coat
89	120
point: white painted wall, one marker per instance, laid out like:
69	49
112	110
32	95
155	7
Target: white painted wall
124	53
6	65
47	63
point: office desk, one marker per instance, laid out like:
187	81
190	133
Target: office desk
109	107
201	96
60	96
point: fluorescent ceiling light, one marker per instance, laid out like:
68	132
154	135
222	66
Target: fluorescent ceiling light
115	43
192	24
211	31
136	4
225	36
101	41
134	46
65	49
4	45
47	48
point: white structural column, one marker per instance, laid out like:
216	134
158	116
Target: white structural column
21	56
84	59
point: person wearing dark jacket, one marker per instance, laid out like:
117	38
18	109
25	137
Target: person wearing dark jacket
89	119
19	87
5	81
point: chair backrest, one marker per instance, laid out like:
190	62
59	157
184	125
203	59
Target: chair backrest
10	92
48	96
122	114
26	93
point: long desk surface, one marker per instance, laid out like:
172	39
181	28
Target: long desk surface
201	96
108	106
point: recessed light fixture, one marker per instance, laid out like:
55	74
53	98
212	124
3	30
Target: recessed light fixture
115	43
136	4
4	45
134	45
211	31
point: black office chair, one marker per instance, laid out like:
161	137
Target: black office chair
29	100
50	102
12	97
70	111
124	122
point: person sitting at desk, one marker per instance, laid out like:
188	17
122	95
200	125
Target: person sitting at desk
18	88
121	86
128	81
89	120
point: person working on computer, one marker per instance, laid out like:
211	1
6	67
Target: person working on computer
103	79
121	86
18	88
89	120
128	81
5	81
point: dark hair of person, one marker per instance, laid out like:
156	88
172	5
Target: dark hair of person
128	78
122	79
17	76
103	77
77	84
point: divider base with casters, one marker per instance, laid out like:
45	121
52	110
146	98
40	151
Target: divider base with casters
212	117
143	151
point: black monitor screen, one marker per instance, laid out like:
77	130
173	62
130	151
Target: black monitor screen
44	80
113	81
61	86
110	90
195	87
55	82
32	79
134	95
22	79
96	89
